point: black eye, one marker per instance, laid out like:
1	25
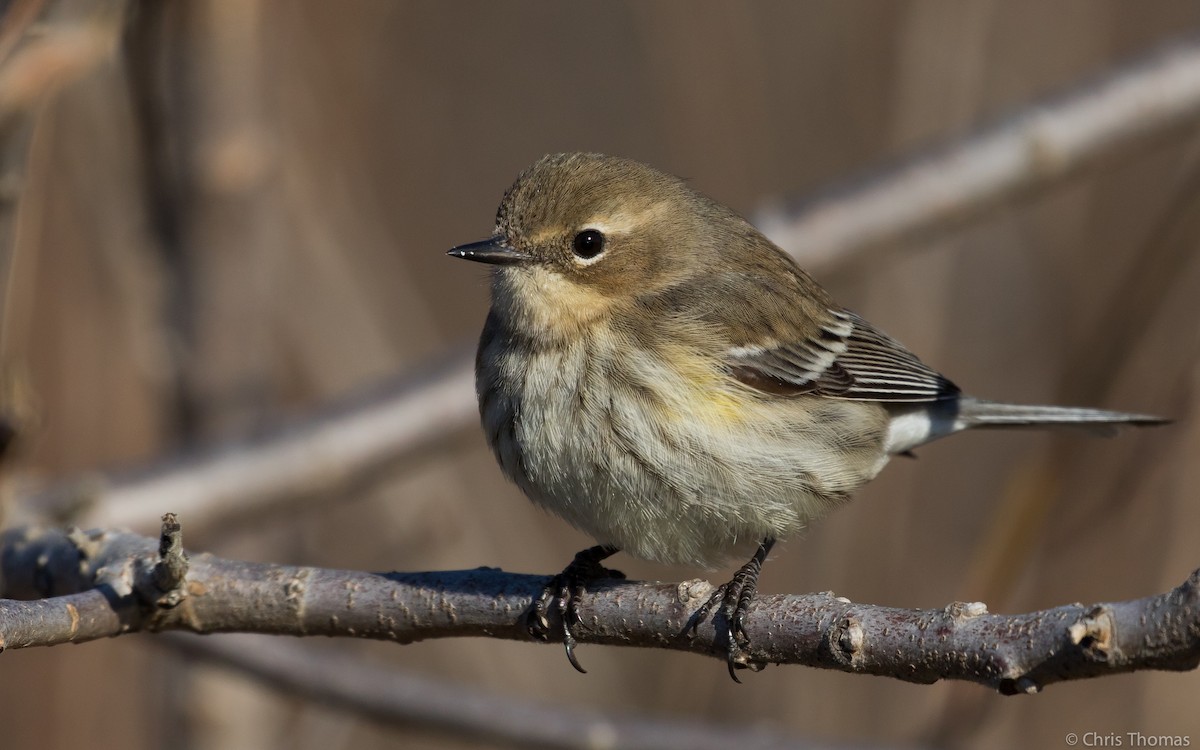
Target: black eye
588	244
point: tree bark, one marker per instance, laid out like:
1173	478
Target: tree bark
87	585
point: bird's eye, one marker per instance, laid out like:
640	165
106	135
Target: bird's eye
588	244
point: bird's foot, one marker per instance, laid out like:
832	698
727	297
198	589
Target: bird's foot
732	602
562	594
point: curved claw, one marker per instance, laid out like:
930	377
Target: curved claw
732	600
569	645
563	592
732	667
568	610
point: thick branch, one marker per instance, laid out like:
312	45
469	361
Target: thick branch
105	583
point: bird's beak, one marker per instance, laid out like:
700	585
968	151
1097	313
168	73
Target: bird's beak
495	251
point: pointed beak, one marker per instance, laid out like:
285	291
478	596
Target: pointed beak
495	251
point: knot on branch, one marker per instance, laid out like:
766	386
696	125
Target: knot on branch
1024	685
850	638
960	611
845	638
1093	633
163	585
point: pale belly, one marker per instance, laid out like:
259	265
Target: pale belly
679	474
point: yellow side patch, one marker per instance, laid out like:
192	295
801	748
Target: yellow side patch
701	391
723	408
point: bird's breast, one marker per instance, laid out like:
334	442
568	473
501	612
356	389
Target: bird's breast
656	451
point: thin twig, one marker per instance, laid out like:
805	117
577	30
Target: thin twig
103	583
326	451
1035	147
412	701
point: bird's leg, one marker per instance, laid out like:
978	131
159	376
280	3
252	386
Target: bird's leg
563	592
734	600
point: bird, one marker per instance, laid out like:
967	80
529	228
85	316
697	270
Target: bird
661	375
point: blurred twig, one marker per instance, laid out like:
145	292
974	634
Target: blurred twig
1101	353
104	583
1032	148
151	73
36	62
39	61
411	701
336	446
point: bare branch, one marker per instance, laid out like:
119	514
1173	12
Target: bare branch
325	451
1035	147
104	583
497	719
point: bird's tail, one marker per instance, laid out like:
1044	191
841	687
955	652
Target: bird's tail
974	412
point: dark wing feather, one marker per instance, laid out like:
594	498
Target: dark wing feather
848	358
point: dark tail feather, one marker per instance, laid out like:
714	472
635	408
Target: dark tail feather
974	412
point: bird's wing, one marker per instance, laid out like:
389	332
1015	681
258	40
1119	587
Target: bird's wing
845	358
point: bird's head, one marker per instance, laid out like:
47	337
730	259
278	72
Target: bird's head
578	234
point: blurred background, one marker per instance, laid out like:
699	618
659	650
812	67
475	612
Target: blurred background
234	211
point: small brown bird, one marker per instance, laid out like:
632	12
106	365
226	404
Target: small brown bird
658	373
